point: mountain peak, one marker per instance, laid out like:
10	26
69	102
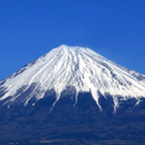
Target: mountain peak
78	67
69	49
66	47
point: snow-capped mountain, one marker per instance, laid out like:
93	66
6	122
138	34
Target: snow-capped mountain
72	95
77	67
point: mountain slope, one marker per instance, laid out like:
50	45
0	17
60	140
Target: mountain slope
76	67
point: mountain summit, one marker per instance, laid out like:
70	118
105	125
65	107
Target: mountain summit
79	68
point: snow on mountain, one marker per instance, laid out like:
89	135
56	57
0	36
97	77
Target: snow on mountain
75	66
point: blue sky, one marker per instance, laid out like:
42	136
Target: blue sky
30	28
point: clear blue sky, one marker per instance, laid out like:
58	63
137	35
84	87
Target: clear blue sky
30	28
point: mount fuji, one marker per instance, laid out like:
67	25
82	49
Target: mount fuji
72	95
